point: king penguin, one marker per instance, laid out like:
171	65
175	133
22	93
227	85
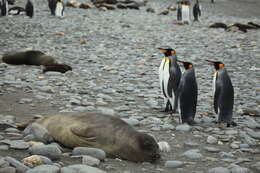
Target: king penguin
187	94
223	93
4	7
169	77
196	11
56	7
29	9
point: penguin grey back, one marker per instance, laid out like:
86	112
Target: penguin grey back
187	95
224	96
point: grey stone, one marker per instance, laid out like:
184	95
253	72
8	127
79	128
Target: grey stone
183	127
254	134
94	152
24	100
8	170
106	111
218	170
39	133
91	161
17	164
192	154
237	169
3	163
173	164
44	169
212	140
131	121
4	147
256	166
212	149
80	169
51	151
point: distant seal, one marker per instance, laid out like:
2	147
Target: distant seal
63	68
32	57
111	134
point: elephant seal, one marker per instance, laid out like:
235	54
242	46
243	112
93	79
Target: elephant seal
111	134
32	57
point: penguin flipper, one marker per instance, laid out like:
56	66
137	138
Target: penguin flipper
216	98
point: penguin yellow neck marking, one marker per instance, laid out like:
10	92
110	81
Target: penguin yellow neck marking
221	65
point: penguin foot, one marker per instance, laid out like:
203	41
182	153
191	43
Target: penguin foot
232	123
190	122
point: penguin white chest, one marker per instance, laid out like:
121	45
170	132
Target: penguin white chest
164	75
214	82
59	9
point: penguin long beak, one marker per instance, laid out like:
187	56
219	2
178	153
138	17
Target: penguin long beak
210	62
182	62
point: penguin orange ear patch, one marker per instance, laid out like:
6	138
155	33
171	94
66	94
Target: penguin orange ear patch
221	65
172	52
190	66
163	50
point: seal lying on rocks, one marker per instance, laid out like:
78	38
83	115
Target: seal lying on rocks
111	134
35	57
32	57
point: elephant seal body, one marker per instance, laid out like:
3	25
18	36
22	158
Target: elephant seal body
111	134
32	57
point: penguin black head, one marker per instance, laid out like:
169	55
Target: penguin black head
217	64
167	52
187	65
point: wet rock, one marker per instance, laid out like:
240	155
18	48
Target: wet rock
183	127
131	121
44	169
254	134
173	164
212	140
91	161
218	170
80	168
4	125
256	166
94	152
51	151
106	111
192	154
18	165
4	147
212	149
3	163
39	133
25	100
237	169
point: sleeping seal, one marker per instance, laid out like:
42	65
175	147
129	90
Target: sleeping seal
32	57
111	134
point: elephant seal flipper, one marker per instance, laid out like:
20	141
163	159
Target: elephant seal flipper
82	132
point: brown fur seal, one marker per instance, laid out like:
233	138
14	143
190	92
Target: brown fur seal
63	68
32	57
111	134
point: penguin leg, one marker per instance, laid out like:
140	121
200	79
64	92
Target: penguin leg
167	105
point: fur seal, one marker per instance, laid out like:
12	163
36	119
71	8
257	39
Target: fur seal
32	57
63	68
111	134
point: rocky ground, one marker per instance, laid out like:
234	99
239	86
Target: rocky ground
115	63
